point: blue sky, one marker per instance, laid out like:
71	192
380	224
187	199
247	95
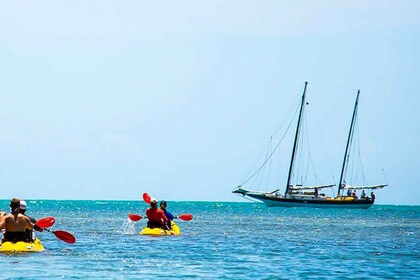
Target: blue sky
108	99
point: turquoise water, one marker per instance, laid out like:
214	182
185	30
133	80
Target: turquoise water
225	240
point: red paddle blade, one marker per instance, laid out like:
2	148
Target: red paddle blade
45	222
134	217
186	217
146	197
65	236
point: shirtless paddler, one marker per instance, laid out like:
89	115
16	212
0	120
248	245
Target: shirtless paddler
15	224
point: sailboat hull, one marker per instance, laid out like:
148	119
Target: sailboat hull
274	201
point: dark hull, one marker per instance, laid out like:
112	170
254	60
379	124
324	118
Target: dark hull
275	201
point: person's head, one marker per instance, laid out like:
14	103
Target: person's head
163	204
22	207
14	205
153	202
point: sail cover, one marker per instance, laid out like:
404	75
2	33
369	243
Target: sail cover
372	187
310	187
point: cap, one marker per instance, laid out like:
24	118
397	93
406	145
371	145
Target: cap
23	205
153	200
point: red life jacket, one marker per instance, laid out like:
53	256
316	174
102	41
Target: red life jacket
156	215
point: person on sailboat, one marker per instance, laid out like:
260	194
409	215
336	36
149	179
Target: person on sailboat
372	196
168	214
363	195
157	218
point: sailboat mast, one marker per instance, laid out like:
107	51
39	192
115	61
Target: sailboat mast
295	144
349	139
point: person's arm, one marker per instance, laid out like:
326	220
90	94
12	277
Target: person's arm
29	225
169	215
2	222
33	221
163	217
37	228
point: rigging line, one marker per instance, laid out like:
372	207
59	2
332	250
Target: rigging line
313	169
298	158
349	168
306	139
353	168
310	159
349	152
307	168
298	172
269	167
333	86
310	163
282	123
258	179
258	170
374	145
257	159
330	169
309	150
354	160
360	157
289	111
261	175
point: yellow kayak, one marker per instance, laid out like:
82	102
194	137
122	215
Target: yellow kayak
22	247
161	232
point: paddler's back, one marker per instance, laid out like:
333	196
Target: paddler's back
20	223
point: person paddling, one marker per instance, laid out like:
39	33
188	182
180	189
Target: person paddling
15	224
168	214
29	233
157	218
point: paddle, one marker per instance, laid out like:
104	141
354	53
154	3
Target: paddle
186	217
146	198
63	235
45	222
134	217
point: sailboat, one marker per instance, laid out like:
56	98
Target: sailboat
309	196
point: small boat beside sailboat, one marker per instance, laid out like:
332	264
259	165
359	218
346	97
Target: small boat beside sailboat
296	195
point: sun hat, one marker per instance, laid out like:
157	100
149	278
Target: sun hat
23	205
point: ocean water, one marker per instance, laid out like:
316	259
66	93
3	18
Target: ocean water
225	240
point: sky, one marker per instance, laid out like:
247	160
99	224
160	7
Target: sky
110	99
